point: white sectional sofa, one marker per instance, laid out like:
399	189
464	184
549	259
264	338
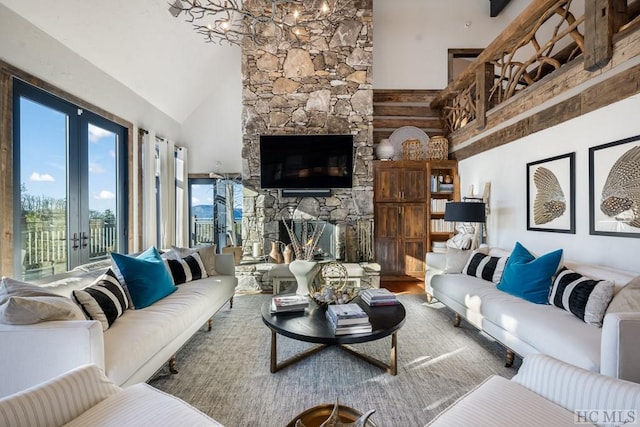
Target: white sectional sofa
546	392
527	328
130	351
85	397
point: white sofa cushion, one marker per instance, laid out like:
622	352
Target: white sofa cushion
139	334
57	401
549	329
500	402
142	405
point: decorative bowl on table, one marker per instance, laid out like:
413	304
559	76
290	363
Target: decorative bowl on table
330	285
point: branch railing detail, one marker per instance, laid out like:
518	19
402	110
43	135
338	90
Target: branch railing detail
546	36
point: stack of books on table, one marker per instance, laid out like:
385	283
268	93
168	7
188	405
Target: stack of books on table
378	296
348	319
288	303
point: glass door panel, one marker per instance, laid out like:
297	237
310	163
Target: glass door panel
102	191
72	172
43	136
203	231
215	212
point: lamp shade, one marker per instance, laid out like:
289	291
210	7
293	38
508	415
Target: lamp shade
464	212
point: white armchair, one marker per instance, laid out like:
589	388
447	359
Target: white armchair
86	397
546	392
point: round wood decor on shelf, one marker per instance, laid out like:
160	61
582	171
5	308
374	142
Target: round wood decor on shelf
438	148
412	150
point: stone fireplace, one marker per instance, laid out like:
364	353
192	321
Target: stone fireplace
319	85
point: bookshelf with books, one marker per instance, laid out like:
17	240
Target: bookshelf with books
444	187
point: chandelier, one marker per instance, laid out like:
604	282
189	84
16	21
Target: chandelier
232	21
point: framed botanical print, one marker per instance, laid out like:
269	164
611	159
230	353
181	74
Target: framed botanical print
551	194
614	188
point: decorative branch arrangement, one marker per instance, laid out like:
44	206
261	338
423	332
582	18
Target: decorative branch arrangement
304	245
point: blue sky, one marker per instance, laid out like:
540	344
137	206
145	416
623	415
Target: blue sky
43	160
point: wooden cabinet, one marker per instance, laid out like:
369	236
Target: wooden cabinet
402	213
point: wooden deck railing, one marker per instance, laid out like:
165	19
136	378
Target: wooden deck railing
546	37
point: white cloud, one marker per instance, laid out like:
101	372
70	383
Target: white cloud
104	195
195	200
112	153
96	133
41	177
96	168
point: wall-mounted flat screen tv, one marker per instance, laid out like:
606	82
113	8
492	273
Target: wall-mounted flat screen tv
306	161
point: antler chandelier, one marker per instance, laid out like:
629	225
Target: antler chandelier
231	21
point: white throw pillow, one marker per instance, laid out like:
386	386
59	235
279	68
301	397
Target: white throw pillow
24	304
456	259
627	299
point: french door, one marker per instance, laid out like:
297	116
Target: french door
69	206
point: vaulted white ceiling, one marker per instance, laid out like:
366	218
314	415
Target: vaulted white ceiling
138	43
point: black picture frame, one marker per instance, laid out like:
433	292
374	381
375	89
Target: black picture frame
605	160
551	203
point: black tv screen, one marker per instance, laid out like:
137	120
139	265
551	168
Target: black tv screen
306	161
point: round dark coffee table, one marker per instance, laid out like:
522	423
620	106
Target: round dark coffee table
313	326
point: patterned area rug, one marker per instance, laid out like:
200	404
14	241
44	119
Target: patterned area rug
225	372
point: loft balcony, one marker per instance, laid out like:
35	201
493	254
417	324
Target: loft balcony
558	60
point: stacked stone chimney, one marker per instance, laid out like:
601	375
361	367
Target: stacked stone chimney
321	84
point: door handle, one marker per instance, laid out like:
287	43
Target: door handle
84	239
75	241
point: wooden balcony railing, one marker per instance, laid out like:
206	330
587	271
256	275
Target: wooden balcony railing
548	36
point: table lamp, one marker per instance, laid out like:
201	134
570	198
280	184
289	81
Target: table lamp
466	212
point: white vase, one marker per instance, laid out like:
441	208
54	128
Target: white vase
385	150
304	272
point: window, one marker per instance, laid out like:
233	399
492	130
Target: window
215	211
71	199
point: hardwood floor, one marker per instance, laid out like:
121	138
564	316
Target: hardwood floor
403	286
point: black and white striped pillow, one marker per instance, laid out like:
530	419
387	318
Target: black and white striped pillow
186	269
104	300
585	297
485	266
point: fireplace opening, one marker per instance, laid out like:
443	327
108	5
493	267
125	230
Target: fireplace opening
329	243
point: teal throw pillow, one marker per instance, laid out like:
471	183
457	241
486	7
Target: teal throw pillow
145	276
528	277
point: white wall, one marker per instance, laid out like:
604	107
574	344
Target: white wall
213	131
505	168
411	38
28	48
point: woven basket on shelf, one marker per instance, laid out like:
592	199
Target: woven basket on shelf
412	150
438	148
